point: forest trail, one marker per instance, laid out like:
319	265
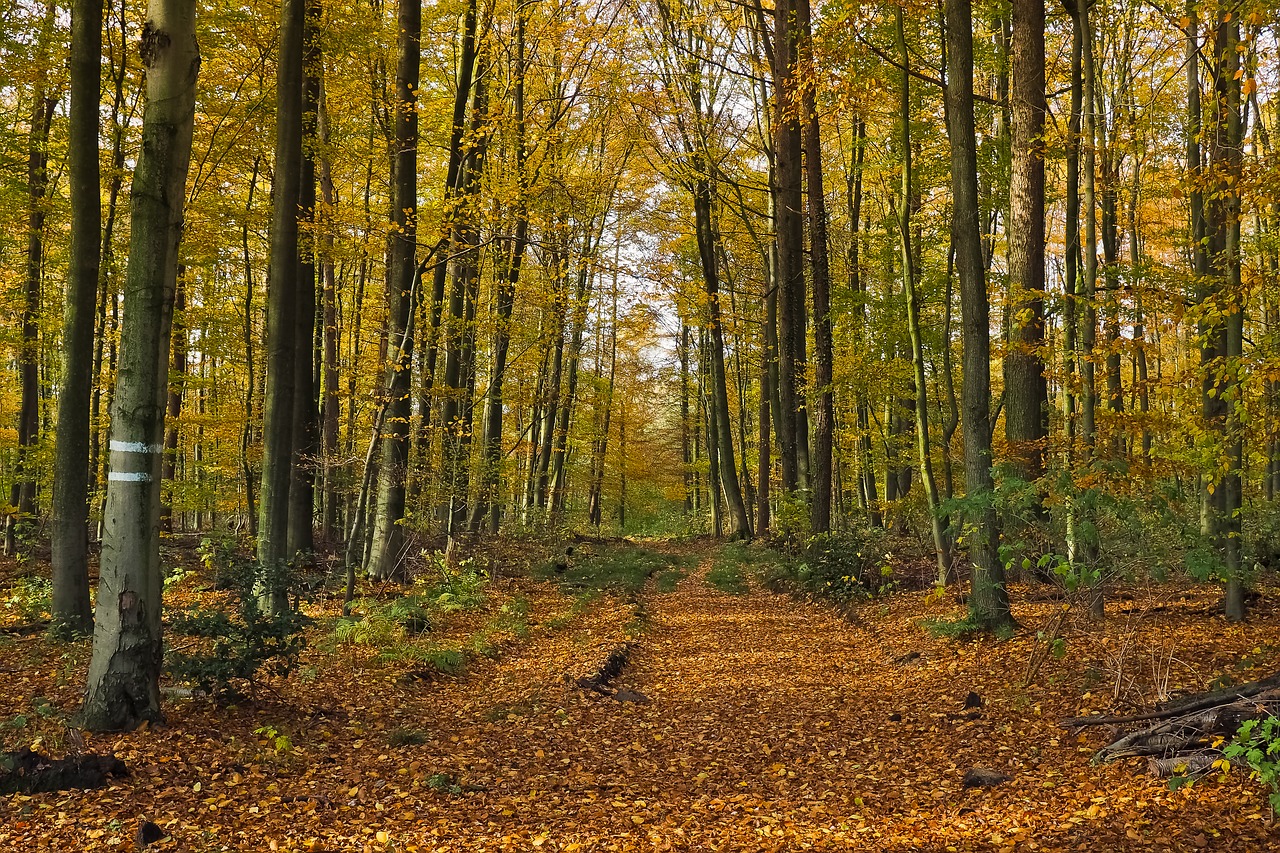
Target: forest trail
762	723
774	724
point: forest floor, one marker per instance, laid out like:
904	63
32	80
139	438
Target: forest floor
743	720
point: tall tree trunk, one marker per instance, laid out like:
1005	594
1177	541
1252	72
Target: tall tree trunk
177	386
387	550
867	492
1026	417
455	414
937	519
1223	221
71	610
330	404
282	294
789	228
718	400
250	339
989	602
301	540
466	74
508	279
21	520
123	685
824	405
595	502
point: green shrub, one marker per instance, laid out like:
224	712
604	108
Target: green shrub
1257	744
30	598
240	641
840	567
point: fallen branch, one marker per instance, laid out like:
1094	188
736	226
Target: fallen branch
1186	705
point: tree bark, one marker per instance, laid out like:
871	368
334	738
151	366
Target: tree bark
21	519
1026	413
824	414
282	293
71	611
123	686
989	601
937	518
387	550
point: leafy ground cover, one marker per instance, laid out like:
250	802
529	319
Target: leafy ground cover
770	721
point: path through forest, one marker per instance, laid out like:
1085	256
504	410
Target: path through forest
778	725
758	722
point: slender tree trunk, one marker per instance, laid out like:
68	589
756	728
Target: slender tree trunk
282	294
123	685
989	602
937	519
388	545
330	404
21	520
250	342
595	503
301	539
71	610
718	400
1026	415
177	386
455	416
789	230
824	408
1223	228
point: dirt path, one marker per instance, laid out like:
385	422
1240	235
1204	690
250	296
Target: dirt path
770	725
776	725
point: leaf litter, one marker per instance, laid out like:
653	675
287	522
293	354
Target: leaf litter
771	724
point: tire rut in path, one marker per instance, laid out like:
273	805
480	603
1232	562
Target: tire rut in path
752	701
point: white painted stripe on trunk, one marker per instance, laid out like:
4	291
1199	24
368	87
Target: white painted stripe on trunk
136	447
129	476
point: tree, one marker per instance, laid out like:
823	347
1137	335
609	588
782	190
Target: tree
123	685
21	519
72	473
387	550
989	601
1026	417
282	294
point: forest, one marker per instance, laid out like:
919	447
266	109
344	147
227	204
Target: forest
639	424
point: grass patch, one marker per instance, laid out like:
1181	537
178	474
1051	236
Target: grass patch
407	737
726	576
963	628
624	570
669	579
580	604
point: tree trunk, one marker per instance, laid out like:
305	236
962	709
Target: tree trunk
387	549
989	602
330	404
1026	413
824	408
21	520
123	686
177	385
301	539
282	294
719	398
71	610
789	230
455	414
937	519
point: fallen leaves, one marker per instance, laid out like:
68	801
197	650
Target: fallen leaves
772	724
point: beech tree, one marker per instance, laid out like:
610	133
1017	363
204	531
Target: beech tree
123	686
